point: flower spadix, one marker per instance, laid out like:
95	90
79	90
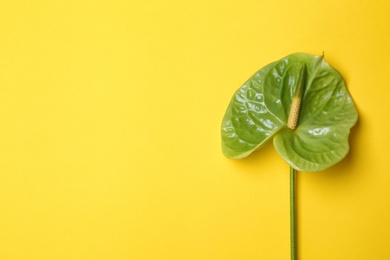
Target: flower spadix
302	104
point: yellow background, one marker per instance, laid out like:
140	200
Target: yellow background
110	117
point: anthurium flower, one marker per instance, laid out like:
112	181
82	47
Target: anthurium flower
302	104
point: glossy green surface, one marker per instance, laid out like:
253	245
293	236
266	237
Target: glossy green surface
259	110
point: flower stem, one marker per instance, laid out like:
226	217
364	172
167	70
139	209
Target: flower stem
292	215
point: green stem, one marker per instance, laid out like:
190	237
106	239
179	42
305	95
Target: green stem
292	214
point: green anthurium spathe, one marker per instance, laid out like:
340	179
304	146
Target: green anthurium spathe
300	87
